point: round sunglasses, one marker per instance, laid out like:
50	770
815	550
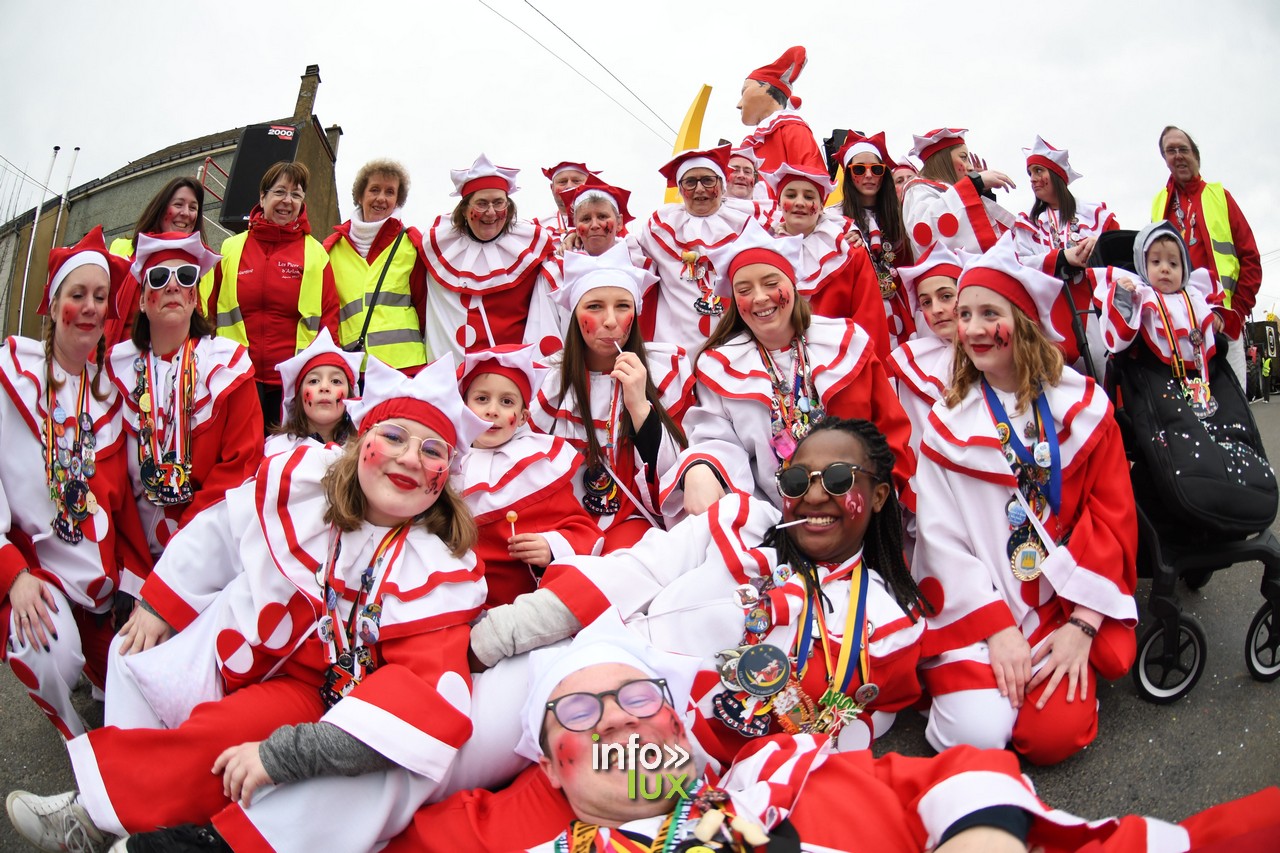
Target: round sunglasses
837	479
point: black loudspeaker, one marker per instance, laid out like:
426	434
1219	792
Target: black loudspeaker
261	146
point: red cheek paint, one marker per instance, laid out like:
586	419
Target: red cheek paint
436	481
609	229
788	206
583	230
307	398
588	325
70	313
511	421
783	297
340	396
745	304
474	215
1003	336
854	504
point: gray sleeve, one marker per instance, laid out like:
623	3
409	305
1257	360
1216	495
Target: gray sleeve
1123	301
308	750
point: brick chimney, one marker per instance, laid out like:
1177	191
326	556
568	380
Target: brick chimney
334	134
307	95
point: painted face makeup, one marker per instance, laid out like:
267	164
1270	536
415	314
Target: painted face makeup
486	213
937	297
596	223
833	527
79	310
498	400
605	316
984	327
801	204
399	488
324	391
764	297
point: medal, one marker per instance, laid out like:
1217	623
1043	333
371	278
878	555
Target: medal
783	444
144	403
866	694
763	670
67	532
1027	559
1030	431
1042	454
746	596
86	424
324	629
59	414
331	599
729	710
1015	513
600	491
728	668
795	711
758	621
1196	337
1002	432
91	503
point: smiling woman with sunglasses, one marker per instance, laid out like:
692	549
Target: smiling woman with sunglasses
871	204
805	619
191	413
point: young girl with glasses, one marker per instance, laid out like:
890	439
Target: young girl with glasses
337	647
191	416
1027	529
871	206
769	372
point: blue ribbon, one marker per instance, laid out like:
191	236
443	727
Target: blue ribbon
1045	422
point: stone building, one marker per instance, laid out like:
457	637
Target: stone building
117	200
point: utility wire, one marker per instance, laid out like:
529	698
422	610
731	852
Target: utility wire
576	71
602	65
28	177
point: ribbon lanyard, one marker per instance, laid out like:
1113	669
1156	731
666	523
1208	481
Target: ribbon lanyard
50	438
855	632
1176	361
1048	434
177	414
345	640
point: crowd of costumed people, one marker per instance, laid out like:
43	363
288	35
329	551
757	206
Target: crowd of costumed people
385	538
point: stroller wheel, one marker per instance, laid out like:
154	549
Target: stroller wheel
1262	645
1165	675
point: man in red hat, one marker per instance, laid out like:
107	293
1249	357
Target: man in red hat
1216	233
780	135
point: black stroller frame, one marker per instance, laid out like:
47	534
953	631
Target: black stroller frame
1173	650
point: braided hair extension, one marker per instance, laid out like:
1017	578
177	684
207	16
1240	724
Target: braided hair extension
882	547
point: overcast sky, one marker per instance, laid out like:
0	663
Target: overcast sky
435	83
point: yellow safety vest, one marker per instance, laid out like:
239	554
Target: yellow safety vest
230	322
1213	202
394	335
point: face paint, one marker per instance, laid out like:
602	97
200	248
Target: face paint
511	421
854	504
745	303
436	481
1002	336
782	298
789	503
70	313
588	325
307	398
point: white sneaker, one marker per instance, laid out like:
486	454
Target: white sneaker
55	824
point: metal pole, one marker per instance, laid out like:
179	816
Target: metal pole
31	244
75	152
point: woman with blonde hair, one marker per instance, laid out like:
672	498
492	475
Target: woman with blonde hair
1027	529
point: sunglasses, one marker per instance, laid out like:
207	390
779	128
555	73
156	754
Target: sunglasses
186	274
860	169
642	698
837	479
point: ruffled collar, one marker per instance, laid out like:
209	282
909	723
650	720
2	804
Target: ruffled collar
460	262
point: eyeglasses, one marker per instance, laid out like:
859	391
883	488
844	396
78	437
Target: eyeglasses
1179	151
436	454
707	181
860	169
280	194
486	205
642	698
837	479
186	274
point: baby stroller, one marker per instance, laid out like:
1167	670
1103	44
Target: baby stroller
1191	521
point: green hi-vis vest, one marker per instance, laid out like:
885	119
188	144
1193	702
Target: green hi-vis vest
1213	201
230	322
394	336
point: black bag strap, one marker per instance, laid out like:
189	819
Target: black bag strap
373	303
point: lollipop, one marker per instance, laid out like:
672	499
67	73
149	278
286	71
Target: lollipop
512	515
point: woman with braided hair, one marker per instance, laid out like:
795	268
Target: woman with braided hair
805	619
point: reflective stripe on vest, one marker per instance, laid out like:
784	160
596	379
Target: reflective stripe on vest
1213	203
394	335
230	321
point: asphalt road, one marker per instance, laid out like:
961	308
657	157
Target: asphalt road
1219	742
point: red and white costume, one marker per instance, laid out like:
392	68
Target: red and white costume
256	642
730	426
669	369
1120	328
670	234
956	215
903	805
922	368
675	589
840	282
965	485
478	294
226	426
533	475
785	137
82	578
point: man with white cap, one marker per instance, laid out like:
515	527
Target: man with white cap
680	238
767	104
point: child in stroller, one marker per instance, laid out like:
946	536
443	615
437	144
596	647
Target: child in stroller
1201	479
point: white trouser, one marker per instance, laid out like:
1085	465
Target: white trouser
50	676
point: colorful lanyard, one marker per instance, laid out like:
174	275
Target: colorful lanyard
171	425
1048	434
349	639
585	837
1186	218
53	421
855	629
1175	356
787	395
1059	235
